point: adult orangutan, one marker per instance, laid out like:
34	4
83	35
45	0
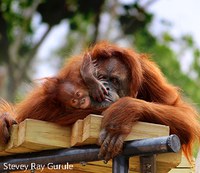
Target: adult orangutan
136	91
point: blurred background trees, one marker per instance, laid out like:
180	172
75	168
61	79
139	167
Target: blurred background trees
87	22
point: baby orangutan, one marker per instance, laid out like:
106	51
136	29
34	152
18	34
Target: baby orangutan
77	94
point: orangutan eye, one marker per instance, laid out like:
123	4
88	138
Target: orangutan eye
115	81
78	94
74	101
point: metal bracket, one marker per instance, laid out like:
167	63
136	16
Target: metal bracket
148	164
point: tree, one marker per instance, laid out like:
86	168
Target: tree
90	21
16	32
17	47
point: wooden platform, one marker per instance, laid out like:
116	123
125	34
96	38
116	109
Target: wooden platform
35	135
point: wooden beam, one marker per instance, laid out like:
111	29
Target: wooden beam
35	135
76	133
90	128
13	146
41	135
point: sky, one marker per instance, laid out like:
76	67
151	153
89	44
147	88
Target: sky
183	14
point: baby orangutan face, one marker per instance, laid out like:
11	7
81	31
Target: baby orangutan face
75	96
80	99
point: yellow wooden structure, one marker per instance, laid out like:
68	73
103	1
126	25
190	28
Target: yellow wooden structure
34	135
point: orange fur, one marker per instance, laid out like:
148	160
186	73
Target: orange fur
7	112
157	101
43	103
151	98
6	107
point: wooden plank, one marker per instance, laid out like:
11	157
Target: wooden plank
91	129
182	170
184	163
164	162
93	168
4	153
76	133
2	148
142	130
35	135
41	135
92	125
12	146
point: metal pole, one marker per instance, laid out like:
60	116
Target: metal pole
152	146
90	153
120	164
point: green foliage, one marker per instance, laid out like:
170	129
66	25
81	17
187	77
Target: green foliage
13	12
134	18
83	18
188	40
196	62
167	60
167	38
